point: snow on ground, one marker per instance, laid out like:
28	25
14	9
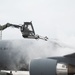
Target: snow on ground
17	72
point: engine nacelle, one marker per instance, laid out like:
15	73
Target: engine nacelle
43	67
50	67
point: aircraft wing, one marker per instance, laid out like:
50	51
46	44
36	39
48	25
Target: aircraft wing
70	55
53	65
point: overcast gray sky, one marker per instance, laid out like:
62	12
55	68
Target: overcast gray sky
53	18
